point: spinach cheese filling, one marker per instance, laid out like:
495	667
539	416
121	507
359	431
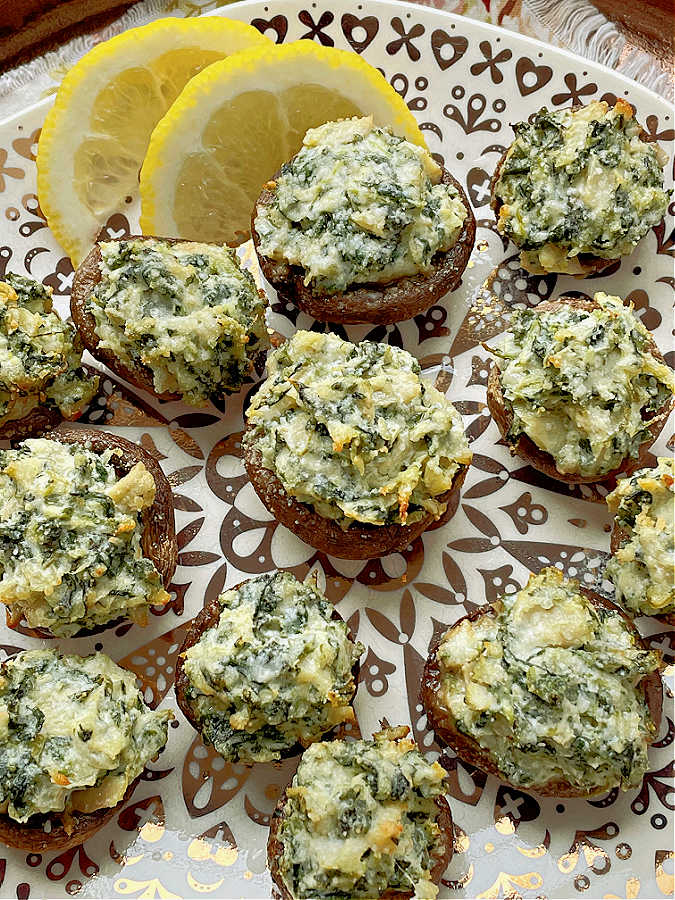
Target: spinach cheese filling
360	820
276	670
643	568
357	205
549	687
582	383
355	432
70	538
186	311
40	355
74	733
578	182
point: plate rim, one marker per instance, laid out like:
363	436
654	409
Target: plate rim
243	5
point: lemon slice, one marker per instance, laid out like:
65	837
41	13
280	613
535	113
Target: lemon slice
95	136
235	124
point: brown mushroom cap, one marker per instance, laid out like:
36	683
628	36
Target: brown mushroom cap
208	618
87	276
442	857
471	752
158	540
525	447
34	424
361	540
374	303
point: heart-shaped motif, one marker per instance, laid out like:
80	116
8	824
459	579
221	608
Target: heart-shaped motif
515	806
116	228
61	279
609	98
478	184
440	42
27	147
278	24
651	318
530	77
368	26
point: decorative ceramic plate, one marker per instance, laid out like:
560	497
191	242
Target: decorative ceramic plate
197	826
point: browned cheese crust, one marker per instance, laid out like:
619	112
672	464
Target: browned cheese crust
378	304
275	849
589	263
360	540
38	422
208	618
524	446
470	751
159	534
87	276
31	835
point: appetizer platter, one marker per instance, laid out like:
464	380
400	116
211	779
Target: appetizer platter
336	483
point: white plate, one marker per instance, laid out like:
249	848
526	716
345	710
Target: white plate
465	81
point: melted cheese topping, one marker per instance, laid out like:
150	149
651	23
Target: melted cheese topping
275	670
361	820
352	430
70	538
579	182
40	356
74	733
582	384
186	311
643	568
549	687
359	205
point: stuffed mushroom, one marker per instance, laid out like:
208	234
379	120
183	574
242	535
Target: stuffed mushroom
180	319
579	188
550	689
75	736
86	532
642	566
42	379
580	390
266	669
362	818
362	226
349	447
